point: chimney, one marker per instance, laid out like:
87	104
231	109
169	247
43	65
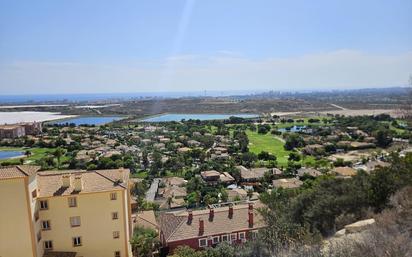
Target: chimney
251	218
66	180
121	175
190	217
211	213
251	206
230	211
201	226
78	185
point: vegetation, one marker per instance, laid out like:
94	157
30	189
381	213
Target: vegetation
297	218
270	144
144	242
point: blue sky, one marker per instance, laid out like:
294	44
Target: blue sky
183	45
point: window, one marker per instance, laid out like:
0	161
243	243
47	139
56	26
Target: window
225	238
215	240
77	241
116	234
203	242
115	215
75	221
242	236
117	254
113	196
44	205
48	245
233	237
254	234
72	201
34	193
45	225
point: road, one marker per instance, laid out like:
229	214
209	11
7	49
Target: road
151	193
339	107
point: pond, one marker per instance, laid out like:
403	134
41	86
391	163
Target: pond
292	129
97	120
6	154
181	116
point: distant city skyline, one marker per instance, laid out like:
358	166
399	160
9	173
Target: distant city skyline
70	47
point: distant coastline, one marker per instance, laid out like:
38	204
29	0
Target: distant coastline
34	99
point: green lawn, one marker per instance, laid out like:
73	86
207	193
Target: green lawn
140	174
36	154
273	145
268	143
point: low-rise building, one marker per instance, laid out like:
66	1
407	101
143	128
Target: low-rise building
287	183
308	172
206	228
210	176
174	181
344	172
146	219
252	175
236	194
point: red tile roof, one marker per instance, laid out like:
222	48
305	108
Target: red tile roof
175	225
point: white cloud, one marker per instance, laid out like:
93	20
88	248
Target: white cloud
339	69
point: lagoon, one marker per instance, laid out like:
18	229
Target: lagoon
181	116
17	117
9	154
88	120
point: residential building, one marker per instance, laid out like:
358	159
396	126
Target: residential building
287	183
198	229
32	128
11	131
211	177
20	130
304	171
81	213
344	172
146	219
236	194
254	175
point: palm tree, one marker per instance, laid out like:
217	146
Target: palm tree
58	153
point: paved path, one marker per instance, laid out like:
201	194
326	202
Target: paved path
151	193
280	139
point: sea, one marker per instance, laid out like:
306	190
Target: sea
75	98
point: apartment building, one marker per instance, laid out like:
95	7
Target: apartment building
12	131
20	130
199	229
69	213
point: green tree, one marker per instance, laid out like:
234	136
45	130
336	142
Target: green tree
58	153
144	242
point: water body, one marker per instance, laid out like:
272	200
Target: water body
17	117
9	154
88	120
179	117
118	96
292	129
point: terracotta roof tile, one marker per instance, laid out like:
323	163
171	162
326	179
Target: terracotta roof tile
175	226
50	182
18	171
